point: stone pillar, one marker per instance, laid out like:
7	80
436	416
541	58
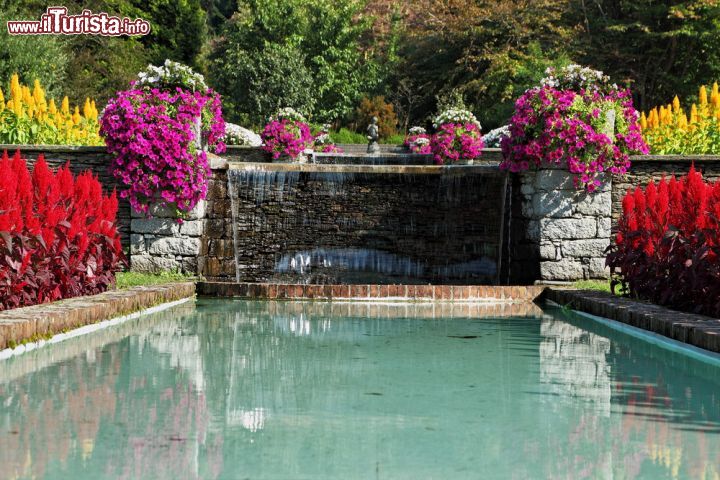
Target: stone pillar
161	243
567	230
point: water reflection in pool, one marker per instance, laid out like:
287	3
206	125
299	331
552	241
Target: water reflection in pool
227	389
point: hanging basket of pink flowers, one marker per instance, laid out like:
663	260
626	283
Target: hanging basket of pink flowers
457	138
287	135
159	132
578	120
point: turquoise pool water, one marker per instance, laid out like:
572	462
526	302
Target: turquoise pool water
273	390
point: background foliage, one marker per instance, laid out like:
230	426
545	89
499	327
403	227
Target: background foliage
324	56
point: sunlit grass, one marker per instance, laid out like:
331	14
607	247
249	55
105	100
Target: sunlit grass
135	279
602	285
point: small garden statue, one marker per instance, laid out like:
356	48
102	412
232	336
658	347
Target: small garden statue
373	135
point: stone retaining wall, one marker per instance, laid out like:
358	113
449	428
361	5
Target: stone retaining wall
355	224
551	237
161	243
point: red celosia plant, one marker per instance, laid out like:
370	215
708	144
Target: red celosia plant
668	244
58	237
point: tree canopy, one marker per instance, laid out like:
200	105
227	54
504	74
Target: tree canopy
325	56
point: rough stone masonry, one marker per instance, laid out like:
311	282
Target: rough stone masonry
161	243
558	233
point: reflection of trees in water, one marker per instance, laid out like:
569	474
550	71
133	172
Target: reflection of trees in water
653	427
67	418
266	359
189	391
177	384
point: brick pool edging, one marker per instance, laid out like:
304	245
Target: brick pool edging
447	293
39	322
697	330
42	321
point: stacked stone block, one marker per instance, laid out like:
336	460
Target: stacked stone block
559	233
161	243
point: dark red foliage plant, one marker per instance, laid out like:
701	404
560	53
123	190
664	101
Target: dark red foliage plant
667	248
58	236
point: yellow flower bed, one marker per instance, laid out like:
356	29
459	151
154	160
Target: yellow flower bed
27	117
671	130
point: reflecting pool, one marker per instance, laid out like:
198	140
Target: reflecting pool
307	390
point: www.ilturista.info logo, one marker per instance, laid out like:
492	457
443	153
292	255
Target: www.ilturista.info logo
56	21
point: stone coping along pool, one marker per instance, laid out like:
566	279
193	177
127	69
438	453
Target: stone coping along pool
40	322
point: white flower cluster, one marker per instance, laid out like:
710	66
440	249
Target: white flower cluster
288	113
171	75
493	138
574	77
455	116
421	142
237	135
417	131
323	139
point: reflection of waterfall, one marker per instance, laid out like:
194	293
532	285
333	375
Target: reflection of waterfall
183	350
573	363
252	420
300	325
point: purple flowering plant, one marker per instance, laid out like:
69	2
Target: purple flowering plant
331	148
456	141
418	143
151	133
578	120
287	134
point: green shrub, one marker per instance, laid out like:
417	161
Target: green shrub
348	136
396	139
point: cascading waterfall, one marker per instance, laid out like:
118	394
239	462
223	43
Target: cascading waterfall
508	230
305	223
233	194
